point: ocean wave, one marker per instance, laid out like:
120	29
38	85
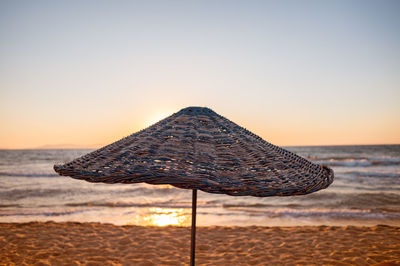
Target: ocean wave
354	199
17	174
168	204
372	174
351	162
10	205
261	205
41	213
315	213
18	194
59	192
331	200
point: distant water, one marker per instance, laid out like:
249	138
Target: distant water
366	191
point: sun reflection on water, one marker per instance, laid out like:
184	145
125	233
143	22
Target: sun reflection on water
164	217
165	186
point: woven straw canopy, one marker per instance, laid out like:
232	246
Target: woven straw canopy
197	148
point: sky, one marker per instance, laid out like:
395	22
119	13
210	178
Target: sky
87	73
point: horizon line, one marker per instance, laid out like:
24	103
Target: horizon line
95	148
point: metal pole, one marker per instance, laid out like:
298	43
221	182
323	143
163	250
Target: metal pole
193	238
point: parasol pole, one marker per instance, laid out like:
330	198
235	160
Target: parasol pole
193	237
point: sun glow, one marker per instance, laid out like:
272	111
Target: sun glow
164	217
154	118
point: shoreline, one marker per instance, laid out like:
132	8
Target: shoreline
74	243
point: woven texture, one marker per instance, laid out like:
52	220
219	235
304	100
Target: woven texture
196	148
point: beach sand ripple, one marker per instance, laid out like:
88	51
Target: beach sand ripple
105	244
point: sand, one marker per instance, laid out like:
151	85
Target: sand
105	244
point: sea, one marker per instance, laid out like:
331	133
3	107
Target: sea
365	191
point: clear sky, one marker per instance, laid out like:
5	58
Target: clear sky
87	73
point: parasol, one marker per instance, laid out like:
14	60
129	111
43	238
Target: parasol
196	148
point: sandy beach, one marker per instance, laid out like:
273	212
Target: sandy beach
71	243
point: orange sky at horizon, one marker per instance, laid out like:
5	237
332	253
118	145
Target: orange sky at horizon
283	132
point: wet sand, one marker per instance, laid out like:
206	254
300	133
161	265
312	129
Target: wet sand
105	244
